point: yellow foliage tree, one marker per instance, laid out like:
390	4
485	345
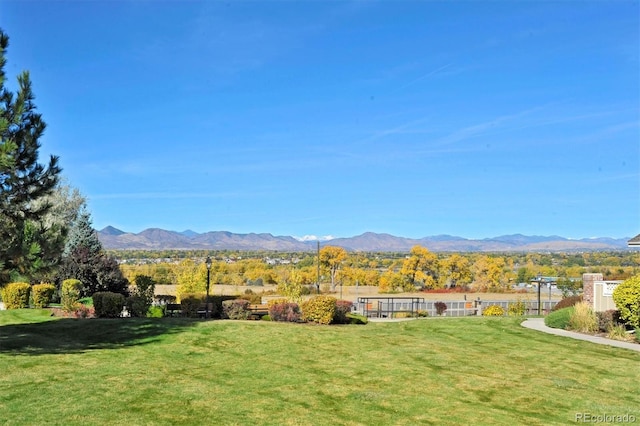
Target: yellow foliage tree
191	277
352	275
391	281
291	287
456	271
489	273
421	267
331	257
162	273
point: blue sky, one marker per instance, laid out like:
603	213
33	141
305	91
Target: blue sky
470	118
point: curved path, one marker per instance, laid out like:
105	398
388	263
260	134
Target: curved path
538	324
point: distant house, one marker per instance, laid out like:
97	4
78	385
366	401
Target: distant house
634	242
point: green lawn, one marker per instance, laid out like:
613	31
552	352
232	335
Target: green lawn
179	371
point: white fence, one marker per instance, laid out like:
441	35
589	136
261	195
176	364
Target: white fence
391	307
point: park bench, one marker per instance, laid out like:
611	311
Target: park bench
202	310
173	310
258	311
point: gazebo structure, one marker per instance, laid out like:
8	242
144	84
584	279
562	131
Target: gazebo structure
386	307
634	242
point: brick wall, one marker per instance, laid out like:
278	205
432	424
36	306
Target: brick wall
587	287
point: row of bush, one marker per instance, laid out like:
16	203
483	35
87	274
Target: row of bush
581	318
105	304
572	313
318	309
111	305
19	295
517	308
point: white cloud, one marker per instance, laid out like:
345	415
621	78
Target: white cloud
314	238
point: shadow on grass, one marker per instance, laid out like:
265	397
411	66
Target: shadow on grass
64	336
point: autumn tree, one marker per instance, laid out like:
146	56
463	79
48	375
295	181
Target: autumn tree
361	276
23	180
331	257
161	273
292	286
568	286
421	267
392	281
220	273
191	277
488	273
524	275
456	271
258	271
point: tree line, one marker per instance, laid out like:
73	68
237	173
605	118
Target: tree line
391	272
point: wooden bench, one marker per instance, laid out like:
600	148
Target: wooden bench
258	311
173	310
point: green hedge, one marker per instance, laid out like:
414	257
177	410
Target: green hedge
190	303
41	294
16	295
137	306
108	304
155	312
559	319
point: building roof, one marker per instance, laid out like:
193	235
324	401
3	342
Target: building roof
635	241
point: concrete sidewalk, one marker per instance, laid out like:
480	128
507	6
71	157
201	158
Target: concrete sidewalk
538	324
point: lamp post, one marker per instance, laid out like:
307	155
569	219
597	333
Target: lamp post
539	284
208	263
318	270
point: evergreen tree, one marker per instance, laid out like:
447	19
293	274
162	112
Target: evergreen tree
44	240
82	234
23	180
84	259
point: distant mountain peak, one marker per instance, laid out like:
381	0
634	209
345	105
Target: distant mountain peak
160	239
110	230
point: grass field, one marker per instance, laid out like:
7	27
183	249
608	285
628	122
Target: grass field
180	371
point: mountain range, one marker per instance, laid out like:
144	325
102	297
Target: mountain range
160	239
